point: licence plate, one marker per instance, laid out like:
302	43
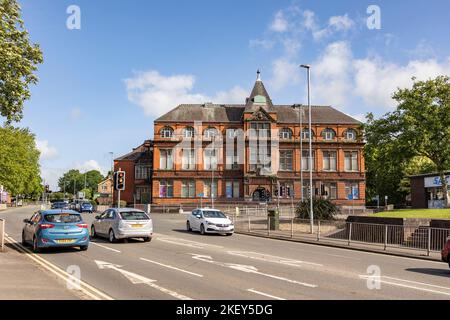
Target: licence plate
64	241
136	225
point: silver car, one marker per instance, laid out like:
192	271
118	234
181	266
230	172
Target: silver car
123	223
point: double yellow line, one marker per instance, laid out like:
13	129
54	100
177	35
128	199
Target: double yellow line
85	288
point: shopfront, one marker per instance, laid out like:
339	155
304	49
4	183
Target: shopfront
427	191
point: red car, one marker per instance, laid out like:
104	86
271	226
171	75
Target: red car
445	252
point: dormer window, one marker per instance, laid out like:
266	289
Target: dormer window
305	134
350	135
285	134
166	132
328	134
210	133
188	132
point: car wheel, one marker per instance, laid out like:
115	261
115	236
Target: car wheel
147	239
36	248
83	248
112	237
188	226
93	233
202	229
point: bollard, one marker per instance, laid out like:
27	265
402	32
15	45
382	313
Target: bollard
248	223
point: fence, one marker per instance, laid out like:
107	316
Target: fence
2	235
379	235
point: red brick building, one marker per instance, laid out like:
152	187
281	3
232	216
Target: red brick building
267	153
138	166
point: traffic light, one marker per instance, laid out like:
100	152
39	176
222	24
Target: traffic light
119	180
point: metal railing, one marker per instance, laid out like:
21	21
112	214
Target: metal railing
2	235
418	238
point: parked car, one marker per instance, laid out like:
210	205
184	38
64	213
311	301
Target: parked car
55	228
123	223
60	205
445	252
86	207
209	221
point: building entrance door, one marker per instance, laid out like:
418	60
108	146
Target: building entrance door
261	195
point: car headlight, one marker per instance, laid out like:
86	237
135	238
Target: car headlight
210	223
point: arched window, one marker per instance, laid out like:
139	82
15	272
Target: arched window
210	133
329	134
285	134
305	134
166	132
188	132
350	134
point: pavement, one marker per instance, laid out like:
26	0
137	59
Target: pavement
181	265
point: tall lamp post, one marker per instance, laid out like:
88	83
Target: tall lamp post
112	178
300	109
311	215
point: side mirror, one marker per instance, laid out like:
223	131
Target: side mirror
198	216
97	217
26	221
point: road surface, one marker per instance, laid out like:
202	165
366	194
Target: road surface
181	265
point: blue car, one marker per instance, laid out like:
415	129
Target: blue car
55	228
86	207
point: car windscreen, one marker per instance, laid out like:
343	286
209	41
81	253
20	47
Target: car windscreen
63	218
86	204
213	214
133	215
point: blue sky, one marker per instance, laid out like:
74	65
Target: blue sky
102	86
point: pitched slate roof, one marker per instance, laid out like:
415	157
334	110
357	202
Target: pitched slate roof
233	113
138	153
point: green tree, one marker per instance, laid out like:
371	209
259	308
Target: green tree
19	162
75	181
419	127
18	61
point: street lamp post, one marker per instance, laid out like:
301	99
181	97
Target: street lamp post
301	149
311	216
112	178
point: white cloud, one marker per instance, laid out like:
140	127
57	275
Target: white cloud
376	80
91	165
279	23
258	43
331	78
157	94
47	152
309	20
335	24
284	73
51	176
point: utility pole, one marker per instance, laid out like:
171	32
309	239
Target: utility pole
300	111
311	215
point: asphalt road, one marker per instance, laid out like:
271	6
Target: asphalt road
181	265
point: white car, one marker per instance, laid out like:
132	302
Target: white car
209	221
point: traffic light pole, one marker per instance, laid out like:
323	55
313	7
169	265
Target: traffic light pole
118	199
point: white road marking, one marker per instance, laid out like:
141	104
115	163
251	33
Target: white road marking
274	259
265	294
187	243
84	287
171	267
248	269
414	285
105	247
138	279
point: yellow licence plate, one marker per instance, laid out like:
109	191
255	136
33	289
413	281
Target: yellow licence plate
65	241
136	225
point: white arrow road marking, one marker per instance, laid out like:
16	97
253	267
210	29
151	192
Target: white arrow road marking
171	267
273	259
248	269
105	247
265	294
138	279
410	284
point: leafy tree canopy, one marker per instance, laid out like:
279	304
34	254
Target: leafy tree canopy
18	61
